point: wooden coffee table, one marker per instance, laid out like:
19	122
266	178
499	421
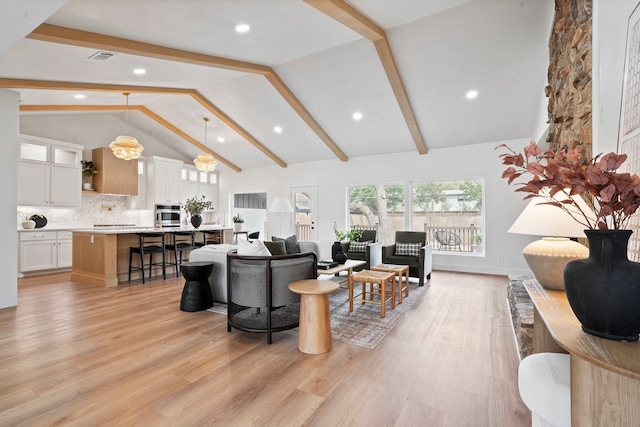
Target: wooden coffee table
399	270
347	266
314	335
372	278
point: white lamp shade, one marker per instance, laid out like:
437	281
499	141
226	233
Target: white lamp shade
540	219
281	205
548	257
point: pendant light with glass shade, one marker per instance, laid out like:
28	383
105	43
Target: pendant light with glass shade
126	147
205	161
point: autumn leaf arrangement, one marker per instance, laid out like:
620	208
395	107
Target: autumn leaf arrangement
615	196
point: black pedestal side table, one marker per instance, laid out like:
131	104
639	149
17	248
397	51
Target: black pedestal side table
196	295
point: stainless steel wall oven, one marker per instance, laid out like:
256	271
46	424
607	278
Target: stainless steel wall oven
167	216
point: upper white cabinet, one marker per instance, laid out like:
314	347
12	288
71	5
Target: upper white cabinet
163	181
196	183
49	173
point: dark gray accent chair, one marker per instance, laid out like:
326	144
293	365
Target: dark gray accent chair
372	254
419	266
258	295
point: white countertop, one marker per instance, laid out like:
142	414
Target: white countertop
122	230
133	230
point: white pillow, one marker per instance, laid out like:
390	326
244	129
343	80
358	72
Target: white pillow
255	248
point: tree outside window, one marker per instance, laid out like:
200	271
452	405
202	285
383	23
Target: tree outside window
378	205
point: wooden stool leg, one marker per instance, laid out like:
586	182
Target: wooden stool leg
350	293
406	289
399	288
393	292
383	303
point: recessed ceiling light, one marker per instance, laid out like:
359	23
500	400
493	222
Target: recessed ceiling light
79	96
357	115
277	129
139	71
472	94
242	28
220	139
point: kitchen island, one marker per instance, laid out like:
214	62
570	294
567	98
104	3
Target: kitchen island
101	255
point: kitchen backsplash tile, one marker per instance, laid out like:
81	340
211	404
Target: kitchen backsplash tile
95	209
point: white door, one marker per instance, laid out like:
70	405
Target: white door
304	206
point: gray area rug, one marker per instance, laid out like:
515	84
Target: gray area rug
363	326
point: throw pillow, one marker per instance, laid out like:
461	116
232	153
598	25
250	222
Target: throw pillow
290	242
359	246
410	249
255	248
276	248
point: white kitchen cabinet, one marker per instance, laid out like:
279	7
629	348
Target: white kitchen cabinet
196	183
163	177
64	250
49	173
66	187
45	250
34	184
38	251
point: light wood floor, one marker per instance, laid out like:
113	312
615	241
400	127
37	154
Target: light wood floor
75	354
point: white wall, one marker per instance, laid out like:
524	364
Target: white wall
609	42
503	251
8	196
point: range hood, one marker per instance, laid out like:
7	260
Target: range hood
114	176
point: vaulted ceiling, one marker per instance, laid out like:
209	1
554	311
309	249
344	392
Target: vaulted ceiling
304	65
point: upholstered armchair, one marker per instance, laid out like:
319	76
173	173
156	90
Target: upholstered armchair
371	252
411	248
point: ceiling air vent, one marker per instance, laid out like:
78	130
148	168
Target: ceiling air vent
102	56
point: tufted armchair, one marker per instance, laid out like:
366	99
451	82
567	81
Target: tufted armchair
412	249
371	253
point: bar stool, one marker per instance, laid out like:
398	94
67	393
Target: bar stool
148	243
181	241
210	237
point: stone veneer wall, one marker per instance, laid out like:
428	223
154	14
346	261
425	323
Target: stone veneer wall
569	75
521	308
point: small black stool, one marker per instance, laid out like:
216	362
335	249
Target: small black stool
196	295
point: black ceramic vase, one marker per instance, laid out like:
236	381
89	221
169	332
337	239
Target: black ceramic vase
604	289
335	248
337	254
196	220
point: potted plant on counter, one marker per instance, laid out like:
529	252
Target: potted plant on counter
194	206
237	222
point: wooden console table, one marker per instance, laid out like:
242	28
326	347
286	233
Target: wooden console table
605	374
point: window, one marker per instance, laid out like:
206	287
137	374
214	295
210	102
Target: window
451	213
380	206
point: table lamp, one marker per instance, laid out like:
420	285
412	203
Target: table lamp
281	206
548	257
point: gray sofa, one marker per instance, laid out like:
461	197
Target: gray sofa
217	254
